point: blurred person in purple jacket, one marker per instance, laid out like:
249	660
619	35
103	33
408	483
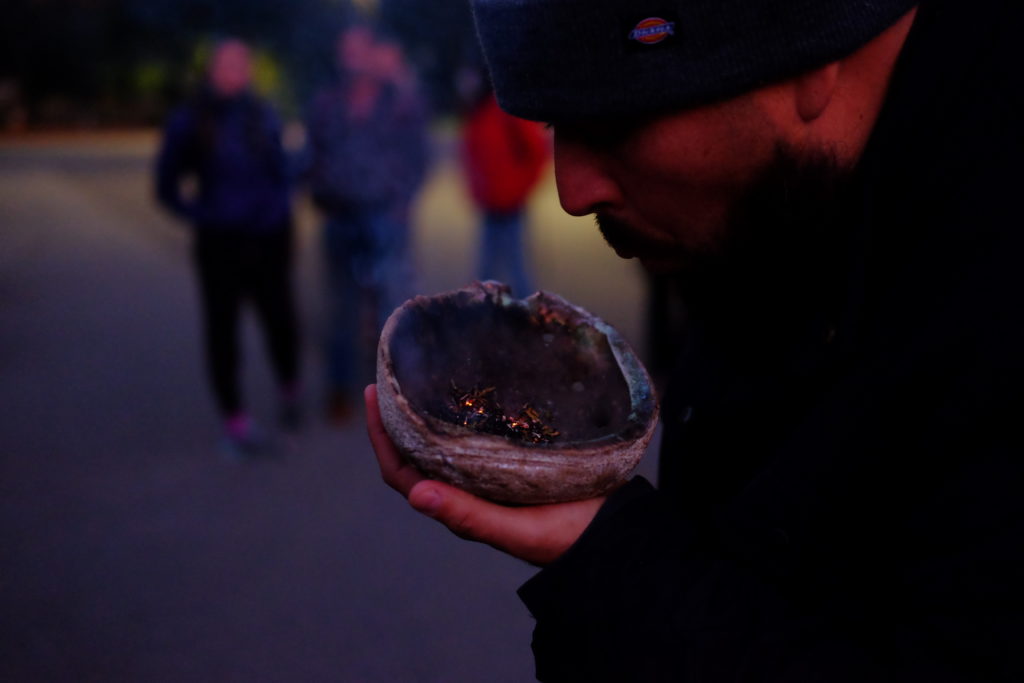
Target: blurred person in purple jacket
367	158
229	140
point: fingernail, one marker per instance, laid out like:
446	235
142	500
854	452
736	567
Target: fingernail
428	502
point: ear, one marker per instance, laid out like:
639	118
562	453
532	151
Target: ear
814	91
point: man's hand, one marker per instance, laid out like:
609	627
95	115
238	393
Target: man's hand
537	534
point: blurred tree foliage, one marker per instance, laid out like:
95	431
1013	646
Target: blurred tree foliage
100	62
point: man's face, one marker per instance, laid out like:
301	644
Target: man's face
357	51
664	189
230	69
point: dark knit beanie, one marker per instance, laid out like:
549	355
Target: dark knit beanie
559	59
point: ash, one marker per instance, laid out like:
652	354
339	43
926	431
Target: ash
479	410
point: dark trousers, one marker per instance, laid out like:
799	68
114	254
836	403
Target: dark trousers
367	250
237	266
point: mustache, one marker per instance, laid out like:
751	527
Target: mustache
620	234
623	236
612	230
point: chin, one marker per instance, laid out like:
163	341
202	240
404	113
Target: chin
661	266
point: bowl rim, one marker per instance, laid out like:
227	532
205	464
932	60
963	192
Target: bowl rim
640	422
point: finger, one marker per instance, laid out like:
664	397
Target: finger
538	534
396	471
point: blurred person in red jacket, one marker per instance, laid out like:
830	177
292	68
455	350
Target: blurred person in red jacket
503	157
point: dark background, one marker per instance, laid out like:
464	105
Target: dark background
116	62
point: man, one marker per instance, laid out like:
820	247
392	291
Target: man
831	181
368	157
229	140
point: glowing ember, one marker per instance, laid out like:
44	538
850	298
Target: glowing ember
479	410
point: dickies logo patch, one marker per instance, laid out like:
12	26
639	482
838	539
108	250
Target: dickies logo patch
652	30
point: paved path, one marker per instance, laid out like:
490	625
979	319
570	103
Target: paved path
130	550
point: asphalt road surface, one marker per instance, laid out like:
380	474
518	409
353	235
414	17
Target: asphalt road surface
131	549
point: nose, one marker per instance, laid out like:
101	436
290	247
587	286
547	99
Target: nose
582	177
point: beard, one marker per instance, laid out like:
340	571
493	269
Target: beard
778	247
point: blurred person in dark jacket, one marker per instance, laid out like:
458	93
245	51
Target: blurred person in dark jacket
503	157
229	140
367	149
834	183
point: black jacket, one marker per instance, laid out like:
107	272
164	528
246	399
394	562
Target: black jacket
845	505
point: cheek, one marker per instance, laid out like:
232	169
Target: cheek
687	202
715	150
685	186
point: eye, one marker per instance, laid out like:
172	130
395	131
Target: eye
599	135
